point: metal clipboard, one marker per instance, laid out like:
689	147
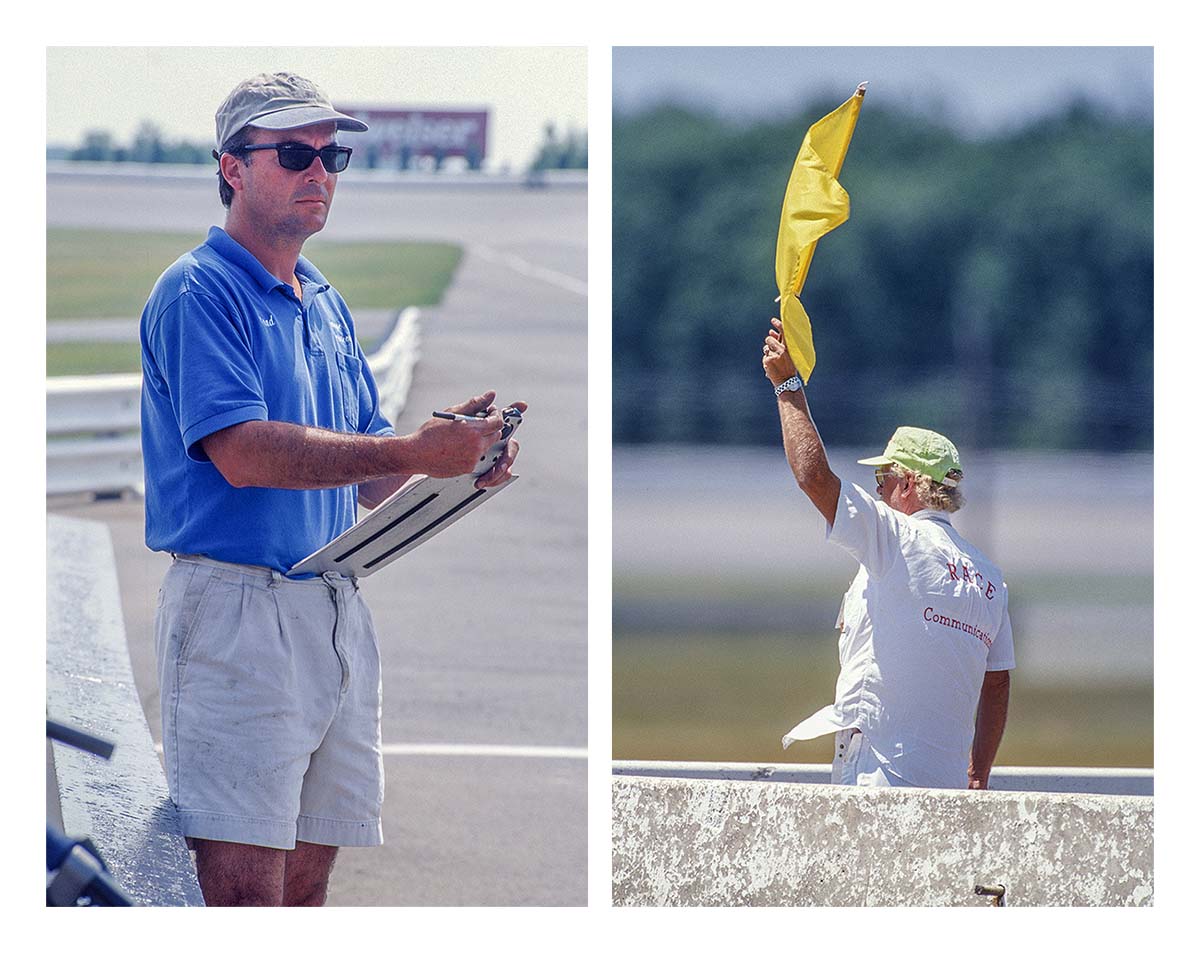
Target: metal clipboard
414	514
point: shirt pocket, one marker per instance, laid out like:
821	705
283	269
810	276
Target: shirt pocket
349	374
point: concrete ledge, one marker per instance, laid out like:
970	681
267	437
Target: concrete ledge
122	804
1136	781
682	842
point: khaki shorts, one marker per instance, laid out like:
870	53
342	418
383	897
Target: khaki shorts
271	702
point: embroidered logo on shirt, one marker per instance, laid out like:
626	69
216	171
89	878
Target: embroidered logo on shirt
340	334
268	321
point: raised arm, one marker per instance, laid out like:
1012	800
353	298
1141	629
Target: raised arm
801	442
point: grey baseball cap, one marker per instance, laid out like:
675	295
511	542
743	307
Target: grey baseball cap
278	101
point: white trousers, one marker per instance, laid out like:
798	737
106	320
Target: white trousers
856	763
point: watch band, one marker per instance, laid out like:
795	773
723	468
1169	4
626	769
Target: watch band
795	382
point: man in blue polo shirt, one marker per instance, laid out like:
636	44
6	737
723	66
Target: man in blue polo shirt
261	433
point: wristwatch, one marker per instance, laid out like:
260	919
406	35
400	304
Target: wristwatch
795	382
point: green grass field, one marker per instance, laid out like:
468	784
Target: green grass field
730	697
92	357
94	274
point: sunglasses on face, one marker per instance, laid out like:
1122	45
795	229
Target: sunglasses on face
296	157
881	476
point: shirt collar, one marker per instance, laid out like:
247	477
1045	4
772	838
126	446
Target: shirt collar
237	254
308	272
935	515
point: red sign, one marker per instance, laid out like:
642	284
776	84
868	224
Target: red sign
397	136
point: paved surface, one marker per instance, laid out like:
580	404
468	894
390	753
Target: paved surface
483	630
1073	533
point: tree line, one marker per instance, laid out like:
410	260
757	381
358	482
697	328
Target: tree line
999	289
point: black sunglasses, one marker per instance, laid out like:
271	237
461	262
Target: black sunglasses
296	157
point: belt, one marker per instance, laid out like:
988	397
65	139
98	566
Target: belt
331	579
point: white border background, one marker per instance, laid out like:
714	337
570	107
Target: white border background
1018	22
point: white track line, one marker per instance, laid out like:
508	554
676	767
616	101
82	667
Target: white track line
486	751
530	270
476	751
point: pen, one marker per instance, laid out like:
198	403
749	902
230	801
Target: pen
448	416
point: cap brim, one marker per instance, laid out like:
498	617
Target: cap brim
296	116
875	461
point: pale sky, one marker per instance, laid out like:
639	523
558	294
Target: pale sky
179	88
980	89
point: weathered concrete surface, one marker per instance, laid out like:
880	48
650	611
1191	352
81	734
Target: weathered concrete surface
122	803
680	842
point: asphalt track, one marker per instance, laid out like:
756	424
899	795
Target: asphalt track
483	629
1073	533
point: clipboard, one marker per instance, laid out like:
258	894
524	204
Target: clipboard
413	515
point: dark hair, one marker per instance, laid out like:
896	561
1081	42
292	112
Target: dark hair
233	144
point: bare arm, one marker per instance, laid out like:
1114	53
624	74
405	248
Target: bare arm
989	728
801	442
374	492
270	453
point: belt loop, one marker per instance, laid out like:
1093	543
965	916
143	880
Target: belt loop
276	579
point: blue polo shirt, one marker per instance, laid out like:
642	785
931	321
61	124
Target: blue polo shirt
225	341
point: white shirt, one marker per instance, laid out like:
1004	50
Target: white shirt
922	621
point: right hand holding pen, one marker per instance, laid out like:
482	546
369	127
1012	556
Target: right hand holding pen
447	448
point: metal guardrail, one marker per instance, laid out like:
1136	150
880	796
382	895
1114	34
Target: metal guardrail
93	422
1066	780
393	361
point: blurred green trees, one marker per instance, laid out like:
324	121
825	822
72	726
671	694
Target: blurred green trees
999	289
148	146
561	152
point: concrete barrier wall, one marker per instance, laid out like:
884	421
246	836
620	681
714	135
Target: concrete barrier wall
122	803
1003	777
687	842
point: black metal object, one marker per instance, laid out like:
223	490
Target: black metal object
996	892
80	878
75	872
56	731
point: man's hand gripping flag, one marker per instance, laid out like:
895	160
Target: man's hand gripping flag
814	204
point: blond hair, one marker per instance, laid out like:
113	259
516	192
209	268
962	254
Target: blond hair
931	494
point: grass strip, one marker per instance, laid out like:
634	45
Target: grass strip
714	696
93	273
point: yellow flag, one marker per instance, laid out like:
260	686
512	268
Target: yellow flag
814	204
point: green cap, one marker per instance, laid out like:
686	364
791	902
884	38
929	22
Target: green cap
922	451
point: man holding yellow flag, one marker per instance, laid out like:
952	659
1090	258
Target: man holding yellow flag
925	642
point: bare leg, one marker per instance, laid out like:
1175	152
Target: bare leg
306	874
239	875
